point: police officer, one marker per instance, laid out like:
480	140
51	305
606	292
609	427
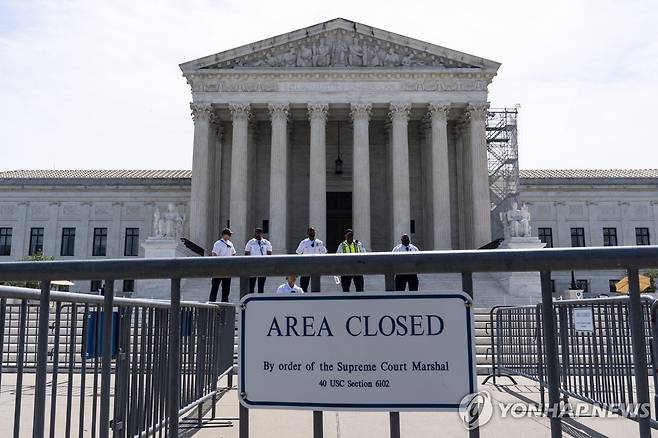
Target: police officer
289	287
222	248
310	245
258	246
401	280
351	246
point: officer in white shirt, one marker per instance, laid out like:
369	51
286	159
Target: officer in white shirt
401	280
222	248
258	247
289	286
310	245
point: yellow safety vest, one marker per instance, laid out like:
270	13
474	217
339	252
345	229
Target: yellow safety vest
351	248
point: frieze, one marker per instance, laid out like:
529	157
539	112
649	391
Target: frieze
7	211
310	84
38	212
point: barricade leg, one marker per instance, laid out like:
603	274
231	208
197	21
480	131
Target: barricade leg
42	361
318	425
393	417
467	286
639	351
174	358
548	316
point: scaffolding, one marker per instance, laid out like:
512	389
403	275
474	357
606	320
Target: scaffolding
502	156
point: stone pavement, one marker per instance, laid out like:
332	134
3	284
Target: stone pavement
294	424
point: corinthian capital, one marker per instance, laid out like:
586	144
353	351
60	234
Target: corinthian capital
201	111
278	111
438	110
399	111
478	110
360	111
239	111
318	111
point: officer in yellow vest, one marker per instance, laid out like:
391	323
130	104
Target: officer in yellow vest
351	246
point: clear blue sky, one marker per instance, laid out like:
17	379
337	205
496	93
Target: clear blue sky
96	84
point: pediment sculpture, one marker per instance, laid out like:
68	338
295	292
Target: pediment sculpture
339	48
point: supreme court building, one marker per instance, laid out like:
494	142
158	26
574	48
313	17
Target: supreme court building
341	125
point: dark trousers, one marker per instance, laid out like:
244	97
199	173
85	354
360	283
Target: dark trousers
402	280
345	281
303	283
252	284
226	289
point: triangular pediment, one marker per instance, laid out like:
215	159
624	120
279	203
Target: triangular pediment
339	43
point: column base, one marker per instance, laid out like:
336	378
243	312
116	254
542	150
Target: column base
521	284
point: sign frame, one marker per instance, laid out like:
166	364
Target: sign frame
378	407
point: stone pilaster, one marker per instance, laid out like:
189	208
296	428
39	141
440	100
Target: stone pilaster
399	114
360	113
439	176
317	212
200	200
278	178
240	113
480	201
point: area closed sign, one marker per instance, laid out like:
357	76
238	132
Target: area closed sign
383	351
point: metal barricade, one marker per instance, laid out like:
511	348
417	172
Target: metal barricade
597	364
466	263
129	393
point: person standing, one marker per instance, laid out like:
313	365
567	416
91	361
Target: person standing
401	280
222	248
289	286
310	245
351	246
258	247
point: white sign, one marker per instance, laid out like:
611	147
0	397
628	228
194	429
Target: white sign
384	351
583	320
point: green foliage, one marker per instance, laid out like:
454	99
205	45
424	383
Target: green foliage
33	284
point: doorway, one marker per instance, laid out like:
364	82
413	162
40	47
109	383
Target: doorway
339	218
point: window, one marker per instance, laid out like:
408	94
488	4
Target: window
68	242
546	236
5	241
266	226
36	241
131	247
412	227
642	236
609	237
128	285
100	242
577	237
582	285
613	285
96	285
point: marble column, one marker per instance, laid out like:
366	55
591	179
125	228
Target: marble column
279	178
439	176
239	166
360	113
317	205
480	201
399	114
200	200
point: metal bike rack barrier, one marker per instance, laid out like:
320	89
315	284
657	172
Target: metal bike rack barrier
598	366
465	262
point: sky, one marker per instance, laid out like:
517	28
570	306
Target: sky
96	84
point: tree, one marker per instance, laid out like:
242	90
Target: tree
33	284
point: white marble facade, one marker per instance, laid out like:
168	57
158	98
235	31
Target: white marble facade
622	201
409	117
